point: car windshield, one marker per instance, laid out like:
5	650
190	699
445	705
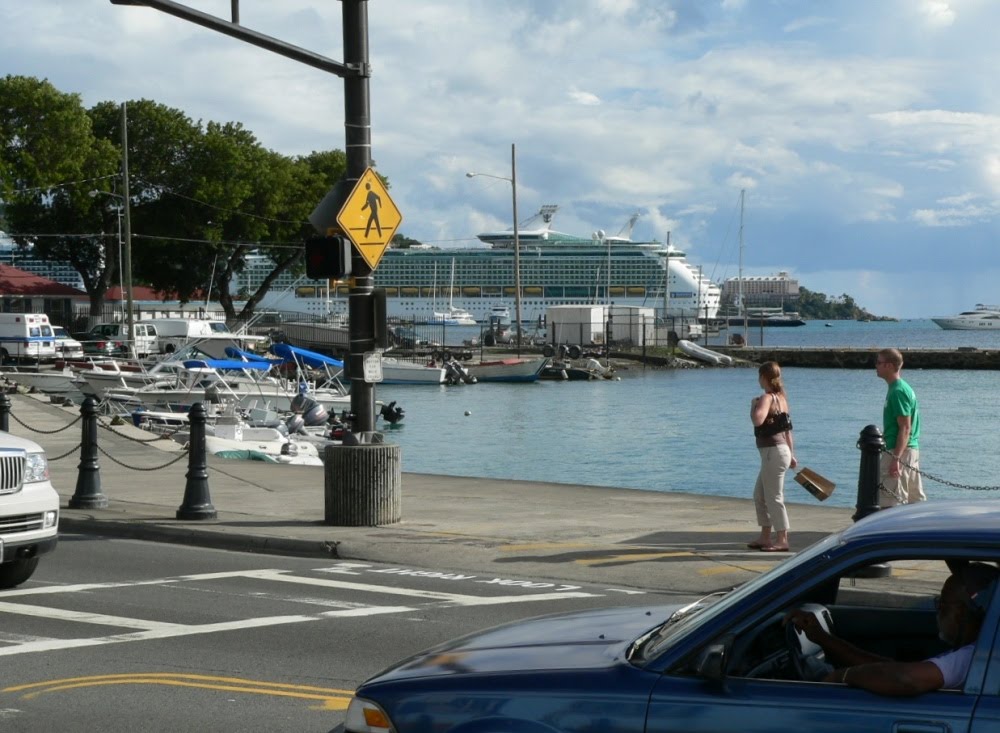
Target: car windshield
60	332
687	618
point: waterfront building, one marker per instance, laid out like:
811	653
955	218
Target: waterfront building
766	291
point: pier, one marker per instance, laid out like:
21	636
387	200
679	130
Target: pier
964	357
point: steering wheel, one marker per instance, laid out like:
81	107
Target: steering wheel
808	656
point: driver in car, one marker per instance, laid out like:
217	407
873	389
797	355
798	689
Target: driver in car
961	608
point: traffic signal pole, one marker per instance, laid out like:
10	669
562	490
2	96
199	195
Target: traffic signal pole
355	71
358	150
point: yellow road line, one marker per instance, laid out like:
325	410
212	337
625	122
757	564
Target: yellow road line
331	698
631	557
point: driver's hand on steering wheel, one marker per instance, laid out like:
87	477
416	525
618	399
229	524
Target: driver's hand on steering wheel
807	623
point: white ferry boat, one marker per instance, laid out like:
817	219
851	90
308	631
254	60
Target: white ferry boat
556	269
983	318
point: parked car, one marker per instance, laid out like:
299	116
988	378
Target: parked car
29	509
67	347
727	662
111	339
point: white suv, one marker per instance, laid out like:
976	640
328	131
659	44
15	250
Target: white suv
29	509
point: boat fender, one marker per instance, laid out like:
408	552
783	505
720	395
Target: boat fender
574	352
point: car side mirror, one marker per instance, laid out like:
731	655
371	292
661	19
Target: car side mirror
712	661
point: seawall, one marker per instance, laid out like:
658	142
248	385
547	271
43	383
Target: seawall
837	358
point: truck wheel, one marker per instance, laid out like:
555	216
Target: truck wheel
548	350
169	349
574	352
14	573
490	339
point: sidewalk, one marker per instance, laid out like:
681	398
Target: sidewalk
581	534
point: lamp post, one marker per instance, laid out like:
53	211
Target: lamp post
517	243
123	207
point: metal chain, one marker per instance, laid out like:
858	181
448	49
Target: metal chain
70	452
44	432
938	479
156	437
183	454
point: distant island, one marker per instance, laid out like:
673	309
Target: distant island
821	307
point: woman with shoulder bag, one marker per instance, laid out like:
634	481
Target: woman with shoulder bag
772	429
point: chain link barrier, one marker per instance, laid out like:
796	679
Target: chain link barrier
937	479
183	454
68	453
25	425
157	436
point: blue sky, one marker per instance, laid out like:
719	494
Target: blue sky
865	134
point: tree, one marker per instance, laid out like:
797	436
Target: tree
48	157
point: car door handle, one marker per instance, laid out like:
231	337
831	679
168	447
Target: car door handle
919	727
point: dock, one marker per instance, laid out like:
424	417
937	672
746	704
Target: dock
964	357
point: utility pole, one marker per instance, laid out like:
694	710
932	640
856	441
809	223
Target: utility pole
129	312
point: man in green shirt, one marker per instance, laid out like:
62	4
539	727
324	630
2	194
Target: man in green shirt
899	469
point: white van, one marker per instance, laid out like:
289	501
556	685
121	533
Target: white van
173	333
26	336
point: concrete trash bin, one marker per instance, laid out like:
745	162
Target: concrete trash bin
362	485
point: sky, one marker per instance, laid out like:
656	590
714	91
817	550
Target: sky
866	135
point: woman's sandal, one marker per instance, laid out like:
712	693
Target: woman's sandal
757	545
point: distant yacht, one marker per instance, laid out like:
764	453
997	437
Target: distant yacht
983	318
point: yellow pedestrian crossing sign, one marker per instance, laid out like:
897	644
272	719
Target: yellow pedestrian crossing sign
370	218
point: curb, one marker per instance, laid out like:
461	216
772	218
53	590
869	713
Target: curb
215	540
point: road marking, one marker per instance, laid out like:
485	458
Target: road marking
751	567
330	698
630	557
460	599
85	617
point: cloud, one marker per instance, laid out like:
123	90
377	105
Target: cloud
937	13
585	98
812	21
957	211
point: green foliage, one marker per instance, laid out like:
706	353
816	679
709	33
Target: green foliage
819	306
201	196
401	241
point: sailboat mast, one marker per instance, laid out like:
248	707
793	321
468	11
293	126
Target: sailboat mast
741	305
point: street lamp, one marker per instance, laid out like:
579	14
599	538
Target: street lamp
517	243
129	316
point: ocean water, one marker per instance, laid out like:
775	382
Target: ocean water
689	430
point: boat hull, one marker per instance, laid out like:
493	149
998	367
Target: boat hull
508	370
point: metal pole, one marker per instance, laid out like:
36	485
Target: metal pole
357	136
88	478
517	249
197	503
129	315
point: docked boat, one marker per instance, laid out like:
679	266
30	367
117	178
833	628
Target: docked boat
507	370
397	371
47	381
555	269
766	318
982	318
702	354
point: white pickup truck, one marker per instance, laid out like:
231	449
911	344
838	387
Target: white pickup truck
29	509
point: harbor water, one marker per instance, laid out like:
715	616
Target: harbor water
689	429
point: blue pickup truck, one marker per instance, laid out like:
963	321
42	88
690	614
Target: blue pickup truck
732	662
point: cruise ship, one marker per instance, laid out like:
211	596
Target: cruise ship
556	269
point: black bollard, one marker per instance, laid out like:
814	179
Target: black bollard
5	413
197	501
871	444
88	478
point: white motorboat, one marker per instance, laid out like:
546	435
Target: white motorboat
395	371
982	318
231	436
48	381
508	370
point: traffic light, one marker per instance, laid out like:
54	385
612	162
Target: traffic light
328	258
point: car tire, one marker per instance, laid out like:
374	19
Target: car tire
14	573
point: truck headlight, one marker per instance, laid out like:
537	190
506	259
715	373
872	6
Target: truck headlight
364	716
36	468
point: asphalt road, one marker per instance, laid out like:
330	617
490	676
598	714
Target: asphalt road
119	635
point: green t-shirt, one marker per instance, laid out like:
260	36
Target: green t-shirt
900	401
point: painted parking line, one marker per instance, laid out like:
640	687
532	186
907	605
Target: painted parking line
327	698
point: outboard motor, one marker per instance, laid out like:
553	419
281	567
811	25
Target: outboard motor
391	414
295	424
313	413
